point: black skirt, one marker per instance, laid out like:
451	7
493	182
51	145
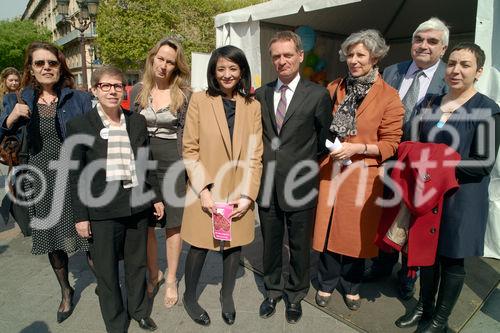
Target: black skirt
172	177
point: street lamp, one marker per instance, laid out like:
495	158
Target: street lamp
81	22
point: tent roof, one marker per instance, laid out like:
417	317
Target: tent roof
274	8
394	18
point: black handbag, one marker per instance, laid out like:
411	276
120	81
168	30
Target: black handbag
14	148
14	152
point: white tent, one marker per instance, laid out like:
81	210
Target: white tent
250	29
333	20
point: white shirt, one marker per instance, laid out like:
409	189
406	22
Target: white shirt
292	86
424	80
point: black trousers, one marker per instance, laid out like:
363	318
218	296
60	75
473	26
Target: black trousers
112	239
334	268
273	221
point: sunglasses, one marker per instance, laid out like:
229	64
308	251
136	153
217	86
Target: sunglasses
107	86
41	63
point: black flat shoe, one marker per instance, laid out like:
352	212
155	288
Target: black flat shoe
202	319
293	312
62	316
228	317
322	300
147	324
268	307
352	304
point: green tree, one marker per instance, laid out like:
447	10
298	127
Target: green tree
15	36
127	29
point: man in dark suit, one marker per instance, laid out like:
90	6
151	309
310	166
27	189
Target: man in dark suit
416	80
296	116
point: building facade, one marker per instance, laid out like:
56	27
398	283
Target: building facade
44	13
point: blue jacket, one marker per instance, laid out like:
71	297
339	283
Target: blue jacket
71	103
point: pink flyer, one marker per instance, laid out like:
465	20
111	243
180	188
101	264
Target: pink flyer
221	221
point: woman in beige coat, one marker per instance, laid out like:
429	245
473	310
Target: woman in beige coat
222	151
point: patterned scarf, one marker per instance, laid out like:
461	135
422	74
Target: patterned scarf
344	120
120	161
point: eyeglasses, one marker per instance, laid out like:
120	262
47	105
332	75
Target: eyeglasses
107	86
41	63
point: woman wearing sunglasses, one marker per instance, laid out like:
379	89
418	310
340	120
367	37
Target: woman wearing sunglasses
51	102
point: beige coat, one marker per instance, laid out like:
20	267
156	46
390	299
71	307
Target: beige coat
208	154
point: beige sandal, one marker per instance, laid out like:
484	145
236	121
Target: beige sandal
171	301
152	286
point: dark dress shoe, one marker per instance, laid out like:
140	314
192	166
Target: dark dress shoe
352	304
203	319
268	307
322	300
293	312
62	316
229	317
147	324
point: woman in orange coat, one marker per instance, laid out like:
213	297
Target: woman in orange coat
367	119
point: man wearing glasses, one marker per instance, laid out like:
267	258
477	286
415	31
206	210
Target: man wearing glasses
416	80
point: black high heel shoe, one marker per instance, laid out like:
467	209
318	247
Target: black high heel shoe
202	319
62	316
228	317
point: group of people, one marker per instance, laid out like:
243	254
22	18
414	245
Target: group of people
308	160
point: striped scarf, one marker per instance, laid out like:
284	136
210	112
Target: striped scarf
120	161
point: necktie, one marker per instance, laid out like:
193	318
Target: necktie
281	110
411	97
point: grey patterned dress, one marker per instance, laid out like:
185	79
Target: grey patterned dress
56	228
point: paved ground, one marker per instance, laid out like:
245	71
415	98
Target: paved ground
29	296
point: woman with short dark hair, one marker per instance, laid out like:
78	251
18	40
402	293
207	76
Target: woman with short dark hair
223	129
469	122
117	219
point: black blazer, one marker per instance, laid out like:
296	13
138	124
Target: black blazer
125	202
302	138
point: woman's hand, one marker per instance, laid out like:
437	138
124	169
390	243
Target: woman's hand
242	205
347	150
83	229
207	203
19	111
159	210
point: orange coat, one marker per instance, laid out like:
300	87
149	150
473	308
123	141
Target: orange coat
352	193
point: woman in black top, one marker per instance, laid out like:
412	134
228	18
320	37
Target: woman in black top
469	122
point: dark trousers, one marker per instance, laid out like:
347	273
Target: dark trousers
112	239
334	268
273	221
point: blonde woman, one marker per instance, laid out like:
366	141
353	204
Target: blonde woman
162	98
10	79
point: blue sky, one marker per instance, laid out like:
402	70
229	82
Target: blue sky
12	8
